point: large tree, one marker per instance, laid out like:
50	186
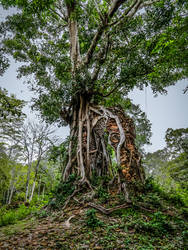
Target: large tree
81	57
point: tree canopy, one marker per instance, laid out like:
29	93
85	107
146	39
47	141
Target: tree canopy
95	48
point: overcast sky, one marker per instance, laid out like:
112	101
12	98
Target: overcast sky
164	111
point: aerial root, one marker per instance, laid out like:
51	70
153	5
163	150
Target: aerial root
78	189
70	197
108	211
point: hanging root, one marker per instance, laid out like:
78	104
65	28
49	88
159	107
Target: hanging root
78	188
70	159
80	137
71	196
95	127
108	211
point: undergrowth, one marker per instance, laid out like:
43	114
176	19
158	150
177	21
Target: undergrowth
11	216
92	220
62	191
162	225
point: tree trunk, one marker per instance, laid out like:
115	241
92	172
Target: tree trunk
27	182
11	194
35	178
96	131
32	191
39	187
43	192
11	189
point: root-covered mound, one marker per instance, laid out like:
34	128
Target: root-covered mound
99	137
155	223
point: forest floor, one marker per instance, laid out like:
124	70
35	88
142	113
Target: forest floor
163	225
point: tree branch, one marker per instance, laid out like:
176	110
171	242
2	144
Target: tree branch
101	59
128	12
59	6
109	93
99	12
114	7
148	3
56	13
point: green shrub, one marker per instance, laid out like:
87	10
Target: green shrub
184	212
100	180
173	196
102	194
61	192
11	216
7	218
157	226
185	237
91	219
42	214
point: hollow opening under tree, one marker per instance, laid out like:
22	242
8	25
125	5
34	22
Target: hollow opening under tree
98	136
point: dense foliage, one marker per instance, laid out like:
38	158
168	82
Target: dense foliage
169	166
133	43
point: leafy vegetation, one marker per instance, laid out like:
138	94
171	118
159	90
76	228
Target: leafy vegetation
91	219
169	166
81	59
163	226
10	215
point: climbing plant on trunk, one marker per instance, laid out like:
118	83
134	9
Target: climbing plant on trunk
84	56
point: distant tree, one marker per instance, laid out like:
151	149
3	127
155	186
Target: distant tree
178	169
177	146
177	141
142	127
153	162
83	55
169	166
11	121
35	142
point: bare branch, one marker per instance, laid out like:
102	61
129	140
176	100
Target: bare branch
148	3
134	9
94	43
128	12
114	7
99	12
185	90
101	59
56	13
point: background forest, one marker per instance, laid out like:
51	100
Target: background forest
81	59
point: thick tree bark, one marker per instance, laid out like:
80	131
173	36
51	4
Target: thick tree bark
93	129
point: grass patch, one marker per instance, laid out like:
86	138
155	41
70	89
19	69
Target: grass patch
11	216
